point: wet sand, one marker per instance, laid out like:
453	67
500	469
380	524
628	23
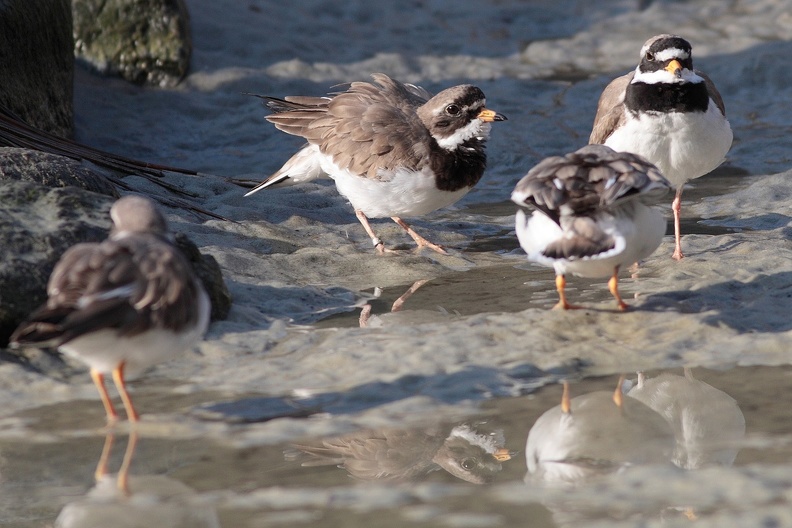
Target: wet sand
300	268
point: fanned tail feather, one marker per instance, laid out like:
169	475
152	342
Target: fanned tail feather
272	180
304	166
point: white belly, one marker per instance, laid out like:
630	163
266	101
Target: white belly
105	350
683	146
403	193
638	232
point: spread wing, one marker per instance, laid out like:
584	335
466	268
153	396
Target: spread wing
377	454
610	109
130	285
367	128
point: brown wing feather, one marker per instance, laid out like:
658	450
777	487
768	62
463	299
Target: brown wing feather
79	302
592	178
377	454
713	92
88	269
583	238
159	263
573	190
610	109
369	127
82	272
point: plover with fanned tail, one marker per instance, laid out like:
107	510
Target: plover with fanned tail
393	149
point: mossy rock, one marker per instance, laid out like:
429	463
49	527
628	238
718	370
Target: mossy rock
143	41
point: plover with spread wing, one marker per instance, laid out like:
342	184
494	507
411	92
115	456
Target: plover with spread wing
393	149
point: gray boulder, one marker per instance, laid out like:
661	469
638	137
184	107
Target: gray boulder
51	170
37	63
37	224
143	41
208	270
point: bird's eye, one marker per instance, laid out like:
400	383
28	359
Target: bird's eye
469	463
453	110
650	56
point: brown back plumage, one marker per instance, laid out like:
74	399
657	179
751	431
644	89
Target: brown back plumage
402	455
131	282
593	177
368	127
713	92
574	189
610	109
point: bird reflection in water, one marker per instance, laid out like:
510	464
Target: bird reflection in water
398	304
122	479
669	418
407	455
151	500
708	424
594	434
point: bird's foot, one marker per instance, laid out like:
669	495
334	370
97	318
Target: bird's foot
379	245
563	305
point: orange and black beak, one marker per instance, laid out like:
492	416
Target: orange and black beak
489	116
675	67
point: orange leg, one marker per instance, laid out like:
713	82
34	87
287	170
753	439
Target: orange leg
562	303
98	379
101	467
118	378
613	286
618	395
566	403
676	206
123	472
421	241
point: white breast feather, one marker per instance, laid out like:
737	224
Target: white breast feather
683	146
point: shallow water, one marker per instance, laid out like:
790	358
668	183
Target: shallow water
514	284
180	465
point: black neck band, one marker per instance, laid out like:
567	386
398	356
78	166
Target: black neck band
667	97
